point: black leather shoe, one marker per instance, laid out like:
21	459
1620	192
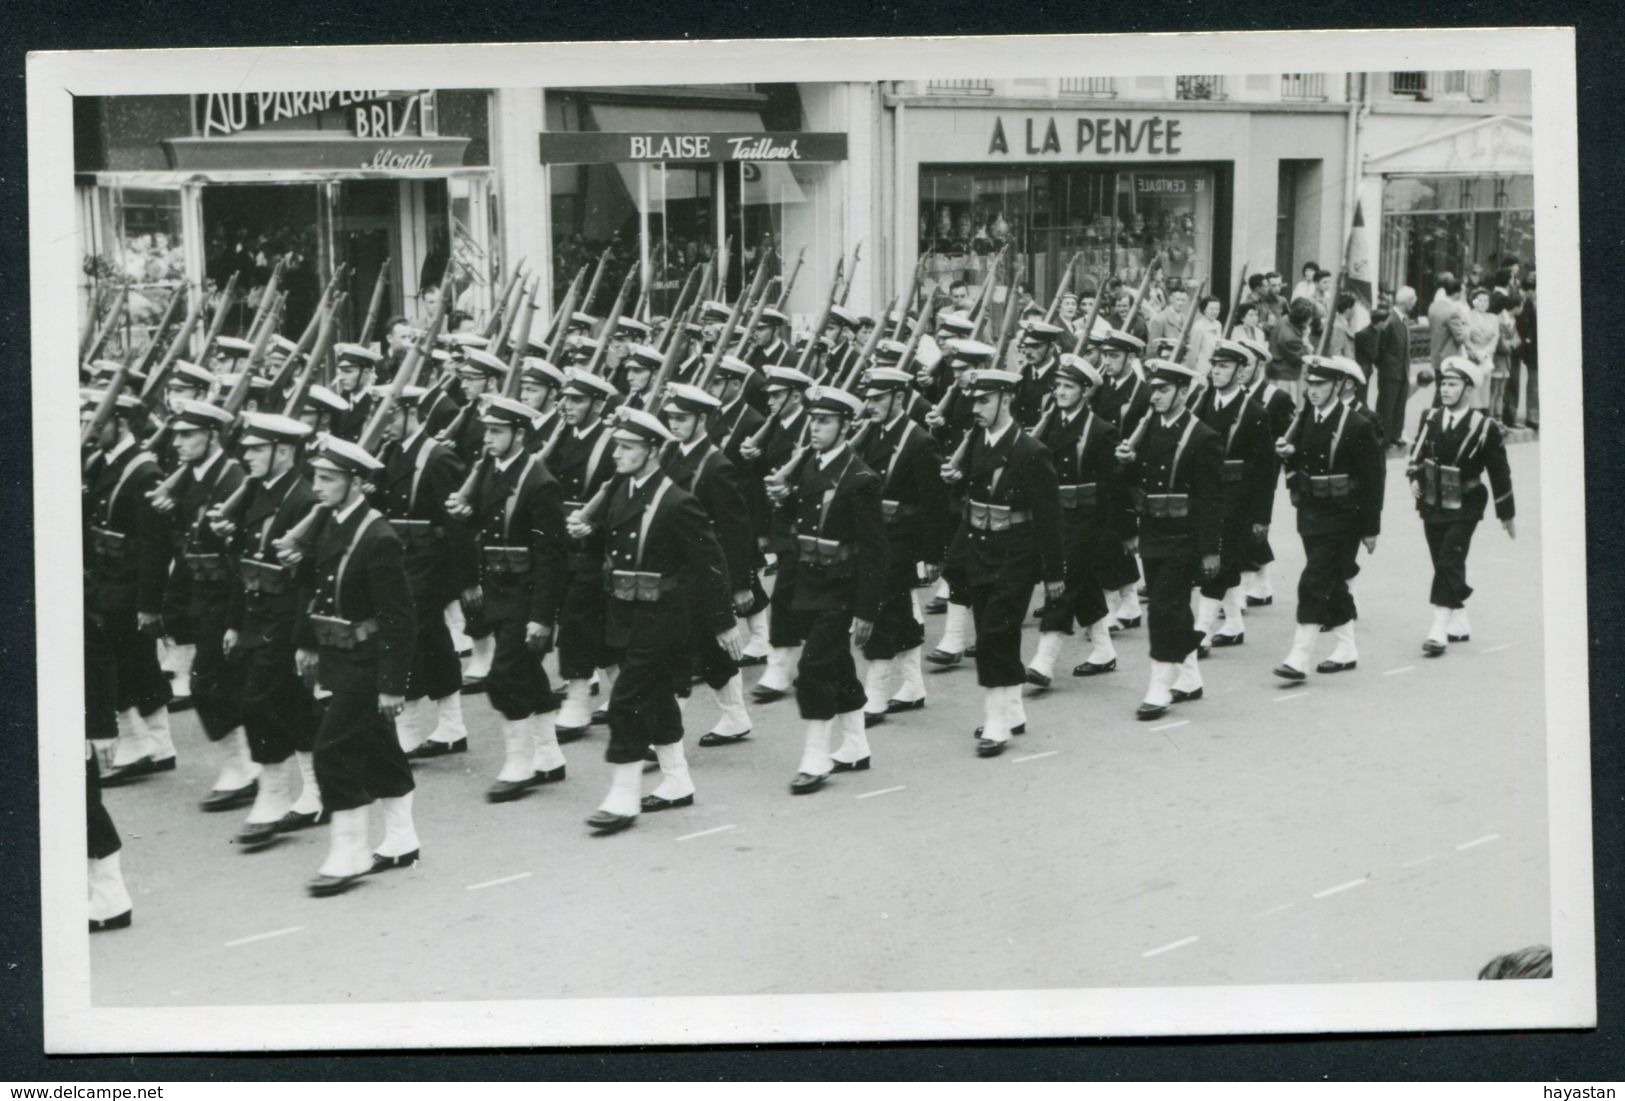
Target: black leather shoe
970	651
1229	640
873	718
945	658
987	747
806	783
1330	666
860	765
1037	679
506	791
600	717
1459	638
473	686
1128	624
747	660
382	863
894	707
1286	672
937	605
256	835
1181	696
322	886
655	802
568	734
712	738
432	748
767	695
1260	601
230	800
1432	649
179	703
117	921
123	774
294	821
1203	649
550	776
1092	669
770	569
1148	711
606	823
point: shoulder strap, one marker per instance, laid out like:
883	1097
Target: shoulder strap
142	458
1083	437
829	494
1337	438
418	466
897	452
1179	451
361	529
513	498
649	517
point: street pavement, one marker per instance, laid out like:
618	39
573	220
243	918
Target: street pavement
1385	824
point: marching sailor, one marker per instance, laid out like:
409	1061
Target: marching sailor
1124	399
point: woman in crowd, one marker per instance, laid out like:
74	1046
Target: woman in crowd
1205	333
1483	337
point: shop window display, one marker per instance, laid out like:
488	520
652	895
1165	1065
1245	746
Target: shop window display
1460	224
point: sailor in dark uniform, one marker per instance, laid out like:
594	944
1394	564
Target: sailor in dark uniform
1278	409
581	463
516	512
730	427
321	409
918	512
1248	450
419	474
697	465
356	368
1175	471
950	420
127	562
1036	354
1455	448
1096	518
663	567
479	374
843	349
540	384
638	369
1336	475
831	501
355	642
279	715
1123	399
1008	540
768	347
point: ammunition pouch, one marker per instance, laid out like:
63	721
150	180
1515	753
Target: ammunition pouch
1234	470
514	561
828	558
985	517
107	543
893	511
416	533
1330	486
208	568
262	578
1084	495
1441	485
1164	506
342	634
637	586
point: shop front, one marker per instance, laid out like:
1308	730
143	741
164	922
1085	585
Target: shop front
1460	200
194	189
1115	186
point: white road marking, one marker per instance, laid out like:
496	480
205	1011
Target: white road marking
1034	756
707	833
1419	861
1289	696
1496	649
1277	909
1182	942
497	882
264	936
1401	669
1341	887
882	791
1477	841
1170	726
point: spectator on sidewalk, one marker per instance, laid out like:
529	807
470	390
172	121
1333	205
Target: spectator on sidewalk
1528	350
1393	366
1447	322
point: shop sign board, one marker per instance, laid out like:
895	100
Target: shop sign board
315	152
1083	135
603	147
368	114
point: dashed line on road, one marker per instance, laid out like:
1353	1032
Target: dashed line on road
1289	696
1497	649
1034	756
1477	841
264	936
1340	888
1395	672
1419	861
1182	942
1277	909
882	791
707	833
497	882
1170	726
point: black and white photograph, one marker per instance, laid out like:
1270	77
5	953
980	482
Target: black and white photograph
998	538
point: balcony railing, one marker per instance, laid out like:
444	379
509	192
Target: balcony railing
960	87
1478	85
1199	87
1088	86
1408	84
1303	85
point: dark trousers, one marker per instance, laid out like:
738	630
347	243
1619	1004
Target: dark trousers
436	672
582	649
358	757
101	683
827	682
278	711
785	625
517	685
1448	544
1234	554
997	608
101	836
1391	395
643	704
709	661
1323	588
896	629
1083	602
1168	582
141	681
1509	398
1115	567
217	680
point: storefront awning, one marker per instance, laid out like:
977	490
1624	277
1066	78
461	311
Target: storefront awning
321	152
1498	146
766	182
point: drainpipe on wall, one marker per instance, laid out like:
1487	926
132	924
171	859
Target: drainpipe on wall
899	215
